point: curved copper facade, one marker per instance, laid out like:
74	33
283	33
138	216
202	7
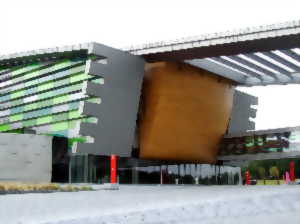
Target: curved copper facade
185	113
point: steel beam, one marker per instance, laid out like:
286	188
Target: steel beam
213	67
238	67
254	66
281	60
291	54
270	65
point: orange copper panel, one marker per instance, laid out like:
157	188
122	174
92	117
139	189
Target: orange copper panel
184	113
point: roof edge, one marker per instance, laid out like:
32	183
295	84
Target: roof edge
67	48
257	32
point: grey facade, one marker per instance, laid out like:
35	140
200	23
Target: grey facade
120	94
242	111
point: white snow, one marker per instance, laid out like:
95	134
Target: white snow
157	204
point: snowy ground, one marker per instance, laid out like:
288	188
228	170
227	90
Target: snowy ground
157	204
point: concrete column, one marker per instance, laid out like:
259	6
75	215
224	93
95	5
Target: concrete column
86	168
135	175
70	168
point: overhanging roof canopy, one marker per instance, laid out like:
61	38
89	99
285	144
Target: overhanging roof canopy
260	68
254	56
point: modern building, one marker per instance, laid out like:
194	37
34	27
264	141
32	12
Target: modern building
163	103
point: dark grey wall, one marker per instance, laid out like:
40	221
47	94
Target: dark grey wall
241	112
120	94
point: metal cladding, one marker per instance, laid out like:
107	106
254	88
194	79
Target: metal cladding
185	113
241	113
120	94
56	92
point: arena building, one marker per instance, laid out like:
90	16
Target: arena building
161	104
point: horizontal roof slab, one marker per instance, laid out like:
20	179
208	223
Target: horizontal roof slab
262	38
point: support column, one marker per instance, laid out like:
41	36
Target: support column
135	175
113	169
292	171
70	168
161	175
86	168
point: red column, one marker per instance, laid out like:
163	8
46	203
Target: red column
247	175
113	169
292	171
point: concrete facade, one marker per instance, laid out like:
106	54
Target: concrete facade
25	157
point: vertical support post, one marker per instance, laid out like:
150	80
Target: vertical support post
113	169
219	175
86	168
292	171
216	174
240	176
70	168
161	175
247	177
135	175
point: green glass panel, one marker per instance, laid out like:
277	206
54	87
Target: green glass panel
46	86
31	75
17	94
62	64
29	123
79	77
31	106
74	114
4	127
31	83
60	99
94	100
44	120
59	126
16	117
90	120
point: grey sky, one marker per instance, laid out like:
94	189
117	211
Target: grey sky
27	25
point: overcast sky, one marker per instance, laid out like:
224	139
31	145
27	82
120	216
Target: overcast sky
28	25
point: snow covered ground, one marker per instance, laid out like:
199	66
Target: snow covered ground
157	204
